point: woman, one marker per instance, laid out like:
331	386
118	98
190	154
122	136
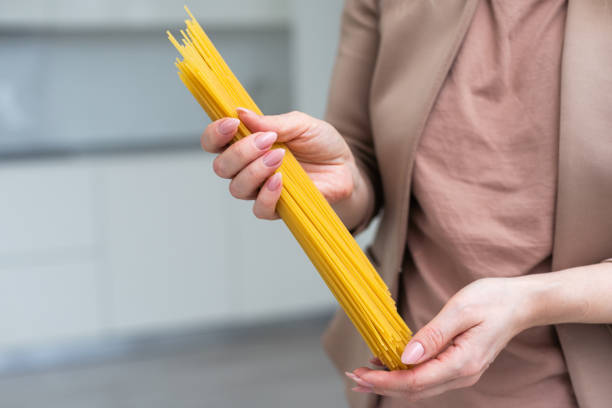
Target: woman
483	129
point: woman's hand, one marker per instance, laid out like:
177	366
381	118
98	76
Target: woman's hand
458	345
251	162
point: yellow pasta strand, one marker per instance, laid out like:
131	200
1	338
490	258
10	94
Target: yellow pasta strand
333	251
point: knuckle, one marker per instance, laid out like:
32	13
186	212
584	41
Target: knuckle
466	309
262	208
295	119
433	336
413	385
241	152
470	368
295	114
234	190
218	167
252	173
204	142
206	138
214	143
257	211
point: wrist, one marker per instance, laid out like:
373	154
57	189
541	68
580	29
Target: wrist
353	208
556	297
535	294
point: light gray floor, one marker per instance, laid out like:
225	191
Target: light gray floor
275	367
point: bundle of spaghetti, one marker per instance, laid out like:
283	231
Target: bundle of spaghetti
331	248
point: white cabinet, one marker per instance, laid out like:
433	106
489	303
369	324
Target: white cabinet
276	279
165	240
39	304
138	13
48	276
180	250
44	208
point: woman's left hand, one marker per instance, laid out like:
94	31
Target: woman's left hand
458	345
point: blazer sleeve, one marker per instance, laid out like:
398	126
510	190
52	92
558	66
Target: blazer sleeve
348	101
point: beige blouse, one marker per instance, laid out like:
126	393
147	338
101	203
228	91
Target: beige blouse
484	191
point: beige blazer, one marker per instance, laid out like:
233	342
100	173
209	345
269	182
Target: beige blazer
392	60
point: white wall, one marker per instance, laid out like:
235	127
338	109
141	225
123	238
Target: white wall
315	37
87	14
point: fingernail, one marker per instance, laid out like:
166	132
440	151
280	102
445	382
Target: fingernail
413	352
358	380
273	157
362	389
363	383
351	375
244	110
264	140
274	182
228	126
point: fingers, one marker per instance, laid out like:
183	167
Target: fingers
240	154
458	365
287	126
218	134
265	204
399	383
249	161
245	184
430	374
436	335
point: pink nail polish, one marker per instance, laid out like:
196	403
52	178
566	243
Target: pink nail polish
413	352
228	126
363	383
264	140
350	375
274	157
358	380
245	110
274	182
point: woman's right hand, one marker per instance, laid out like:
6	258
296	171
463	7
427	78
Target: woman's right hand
250	163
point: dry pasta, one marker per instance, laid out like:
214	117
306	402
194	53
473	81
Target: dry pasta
333	251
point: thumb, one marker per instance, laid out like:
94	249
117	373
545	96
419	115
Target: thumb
287	126
435	336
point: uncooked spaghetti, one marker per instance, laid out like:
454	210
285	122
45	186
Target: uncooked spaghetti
331	248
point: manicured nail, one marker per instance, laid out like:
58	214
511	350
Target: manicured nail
413	352
358	380
362	390
228	126
244	110
350	375
274	182
264	140
273	157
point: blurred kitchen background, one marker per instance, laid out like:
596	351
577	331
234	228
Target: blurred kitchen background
128	275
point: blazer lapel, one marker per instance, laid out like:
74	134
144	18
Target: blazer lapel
583	230
583	223
419	42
